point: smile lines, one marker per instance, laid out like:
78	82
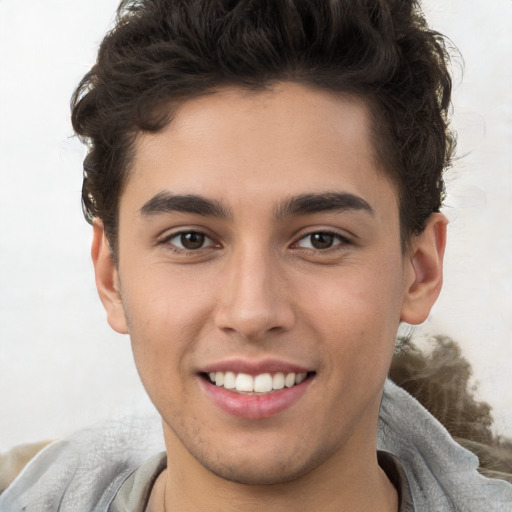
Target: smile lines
262	383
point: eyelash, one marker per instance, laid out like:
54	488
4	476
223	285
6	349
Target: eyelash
340	239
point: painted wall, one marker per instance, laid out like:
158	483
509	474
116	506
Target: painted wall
60	365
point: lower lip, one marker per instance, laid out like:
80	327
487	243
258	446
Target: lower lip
255	406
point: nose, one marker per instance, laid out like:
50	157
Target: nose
254	300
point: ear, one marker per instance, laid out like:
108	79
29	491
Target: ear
107	279
424	270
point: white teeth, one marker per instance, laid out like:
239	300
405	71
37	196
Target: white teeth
244	382
262	383
229	380
278	381
300	377
289	380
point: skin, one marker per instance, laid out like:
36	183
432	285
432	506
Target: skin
259	288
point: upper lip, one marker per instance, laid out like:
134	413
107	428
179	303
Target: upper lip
254	367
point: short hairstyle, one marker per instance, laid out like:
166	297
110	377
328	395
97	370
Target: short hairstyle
163	52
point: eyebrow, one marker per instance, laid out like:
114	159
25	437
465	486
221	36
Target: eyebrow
166	202
306	204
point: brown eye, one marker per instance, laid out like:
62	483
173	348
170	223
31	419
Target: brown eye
322	240
189	241
192	240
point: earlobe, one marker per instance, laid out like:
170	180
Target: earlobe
107	280
424	270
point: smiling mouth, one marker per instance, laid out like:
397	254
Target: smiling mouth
261	384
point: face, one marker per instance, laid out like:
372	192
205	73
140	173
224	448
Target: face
261	280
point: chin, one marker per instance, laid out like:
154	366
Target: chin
257	474
263	466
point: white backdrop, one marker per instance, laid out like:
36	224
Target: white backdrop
60	365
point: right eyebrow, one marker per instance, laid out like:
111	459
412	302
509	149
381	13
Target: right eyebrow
166	202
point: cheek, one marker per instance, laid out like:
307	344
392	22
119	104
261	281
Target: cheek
165	312
164	298
358	312
163	332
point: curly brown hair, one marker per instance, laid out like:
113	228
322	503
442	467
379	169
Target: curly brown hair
162	52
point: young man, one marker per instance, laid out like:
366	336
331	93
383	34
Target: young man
264	182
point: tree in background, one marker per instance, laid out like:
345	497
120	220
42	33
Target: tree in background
438	377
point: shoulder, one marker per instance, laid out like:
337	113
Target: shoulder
442	475
84	471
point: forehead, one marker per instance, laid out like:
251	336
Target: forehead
286	140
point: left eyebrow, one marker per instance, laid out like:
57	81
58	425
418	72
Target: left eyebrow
307	204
